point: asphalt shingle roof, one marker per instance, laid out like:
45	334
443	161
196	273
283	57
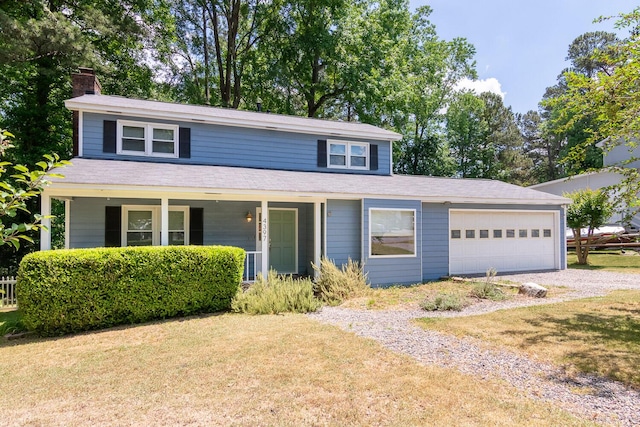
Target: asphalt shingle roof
227	116
223	179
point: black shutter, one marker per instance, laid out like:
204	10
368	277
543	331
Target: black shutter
373	157
196	226
322	153
109	136
113	226
184	150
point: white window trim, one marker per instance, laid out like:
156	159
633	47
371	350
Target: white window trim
148	138
348	145
155	221
415	234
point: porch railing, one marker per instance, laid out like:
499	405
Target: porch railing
252	266
8	292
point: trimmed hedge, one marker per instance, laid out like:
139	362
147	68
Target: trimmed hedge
74	290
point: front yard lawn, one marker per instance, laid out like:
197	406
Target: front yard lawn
245	370
628	262
595	335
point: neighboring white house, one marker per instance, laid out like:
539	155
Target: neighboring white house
599	179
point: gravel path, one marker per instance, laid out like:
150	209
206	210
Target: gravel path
588	396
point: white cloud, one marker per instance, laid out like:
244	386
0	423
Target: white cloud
478	86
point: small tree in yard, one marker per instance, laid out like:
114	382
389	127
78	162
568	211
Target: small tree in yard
589	210
19	187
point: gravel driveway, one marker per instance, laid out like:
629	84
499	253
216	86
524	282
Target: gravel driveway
594	398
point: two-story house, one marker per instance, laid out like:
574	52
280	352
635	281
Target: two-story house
288	190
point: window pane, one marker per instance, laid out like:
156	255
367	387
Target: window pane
133	132
338	160
484	234
176	220
163	147
497	234
133	145
139	220
358	150
511	233
455	234
522	233
392	232
547	232
137	238
338	149
470	234
176	238
164	134
359	161
535	233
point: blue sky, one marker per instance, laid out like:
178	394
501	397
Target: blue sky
521	43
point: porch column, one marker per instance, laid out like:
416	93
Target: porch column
317	235
164	221
45	231
265	237
67	223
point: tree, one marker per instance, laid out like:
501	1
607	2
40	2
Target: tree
16	190
509	162
426	70
43	42
466	131
567	133
610	100
590	209
214	50
541	148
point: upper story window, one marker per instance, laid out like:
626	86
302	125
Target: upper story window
348	155
147	139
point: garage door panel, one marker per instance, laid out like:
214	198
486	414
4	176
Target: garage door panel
475	255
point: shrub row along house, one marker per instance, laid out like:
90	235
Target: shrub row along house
288	190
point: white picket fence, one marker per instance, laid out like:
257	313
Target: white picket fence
8	292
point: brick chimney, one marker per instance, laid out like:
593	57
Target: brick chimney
84	82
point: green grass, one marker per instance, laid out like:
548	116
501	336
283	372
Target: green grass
608	261
10	322
595	335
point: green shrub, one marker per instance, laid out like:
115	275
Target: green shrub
66	291
334	285
488	289
444	302
276	294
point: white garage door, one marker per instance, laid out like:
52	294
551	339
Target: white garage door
505	241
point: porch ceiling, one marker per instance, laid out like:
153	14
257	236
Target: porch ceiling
140	176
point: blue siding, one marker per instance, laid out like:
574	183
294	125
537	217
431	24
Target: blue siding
393	270
435	241
231	146
344	231
224	223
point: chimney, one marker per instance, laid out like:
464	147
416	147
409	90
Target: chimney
84	82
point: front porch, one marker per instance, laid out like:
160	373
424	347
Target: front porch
283	233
